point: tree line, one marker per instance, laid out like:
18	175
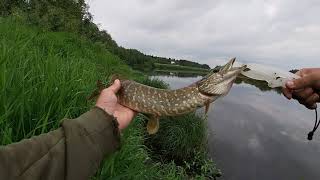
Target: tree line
73	16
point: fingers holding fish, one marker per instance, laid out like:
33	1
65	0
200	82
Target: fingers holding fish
304	94
309	102
308	79
287	93
297	94
305	71
115	86
312	100
308	97
304	85
306	88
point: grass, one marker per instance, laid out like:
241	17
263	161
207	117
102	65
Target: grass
172	67
184	140
46	76
133	160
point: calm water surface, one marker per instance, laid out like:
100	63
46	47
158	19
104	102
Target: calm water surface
259	135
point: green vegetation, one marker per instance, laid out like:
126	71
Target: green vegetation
47	76
51	55
133	160
184	139
73	16
174	67
176	73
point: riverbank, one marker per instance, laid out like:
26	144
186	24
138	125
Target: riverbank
173	67
47	76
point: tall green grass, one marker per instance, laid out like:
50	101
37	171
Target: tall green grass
46	76
184	140
133	161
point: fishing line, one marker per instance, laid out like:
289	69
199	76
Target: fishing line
315	127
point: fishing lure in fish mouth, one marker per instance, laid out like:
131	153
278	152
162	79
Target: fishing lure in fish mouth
275	78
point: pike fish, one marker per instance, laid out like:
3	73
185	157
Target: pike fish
163	102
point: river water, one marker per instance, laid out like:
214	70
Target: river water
259	135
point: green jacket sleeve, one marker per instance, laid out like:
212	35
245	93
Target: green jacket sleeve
71	152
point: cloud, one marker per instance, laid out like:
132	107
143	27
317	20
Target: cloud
283	33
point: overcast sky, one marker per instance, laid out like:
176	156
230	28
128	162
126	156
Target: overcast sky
283	33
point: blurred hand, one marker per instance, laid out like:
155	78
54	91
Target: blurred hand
306	89
109	102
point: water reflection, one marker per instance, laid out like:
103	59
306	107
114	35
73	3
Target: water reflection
255	133
261	85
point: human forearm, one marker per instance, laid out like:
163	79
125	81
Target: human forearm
73	151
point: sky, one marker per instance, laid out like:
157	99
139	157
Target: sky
279	33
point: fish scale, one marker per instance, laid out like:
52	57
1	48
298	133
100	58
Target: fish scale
163	102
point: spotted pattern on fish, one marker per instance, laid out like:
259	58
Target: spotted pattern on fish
164	102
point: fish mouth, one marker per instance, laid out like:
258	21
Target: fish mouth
227	66
230	71
220	83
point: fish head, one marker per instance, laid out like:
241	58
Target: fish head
219	83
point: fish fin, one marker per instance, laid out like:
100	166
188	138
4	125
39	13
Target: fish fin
153	124
218	89
207	105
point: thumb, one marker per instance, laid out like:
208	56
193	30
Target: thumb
302	82
115	86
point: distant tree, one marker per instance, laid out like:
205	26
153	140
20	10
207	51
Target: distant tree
73	16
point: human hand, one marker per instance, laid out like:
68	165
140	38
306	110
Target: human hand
108	101
305	89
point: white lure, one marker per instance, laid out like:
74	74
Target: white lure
275	77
